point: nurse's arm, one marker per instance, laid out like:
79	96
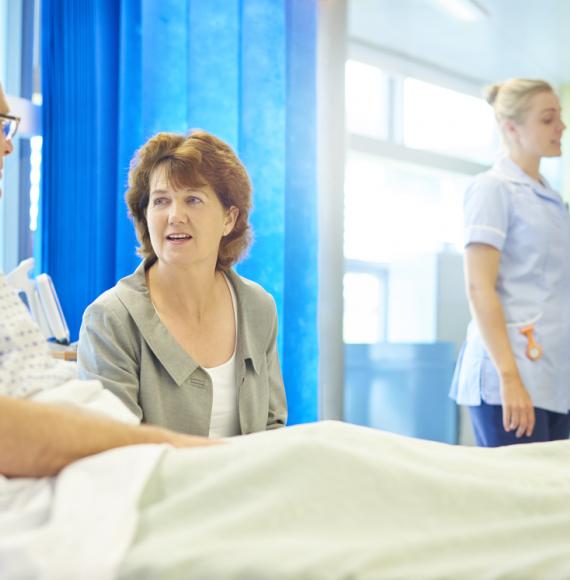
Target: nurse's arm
40	439
481	270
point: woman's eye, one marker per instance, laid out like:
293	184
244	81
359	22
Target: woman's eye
193	200
159	201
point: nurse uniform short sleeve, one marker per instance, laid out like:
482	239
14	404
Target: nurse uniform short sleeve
486	211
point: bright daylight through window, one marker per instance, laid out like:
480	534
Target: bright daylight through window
413	147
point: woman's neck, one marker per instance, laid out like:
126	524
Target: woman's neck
190	291
530	164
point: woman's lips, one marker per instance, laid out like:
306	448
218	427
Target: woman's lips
178	239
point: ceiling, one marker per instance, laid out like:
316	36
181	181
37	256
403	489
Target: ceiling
520	38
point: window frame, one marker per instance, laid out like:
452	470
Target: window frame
393	149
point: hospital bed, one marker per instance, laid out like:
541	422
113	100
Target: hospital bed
319	501
40	297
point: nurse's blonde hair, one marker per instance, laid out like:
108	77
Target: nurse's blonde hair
511	98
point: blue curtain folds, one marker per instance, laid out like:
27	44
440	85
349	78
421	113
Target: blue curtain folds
115	73
300	277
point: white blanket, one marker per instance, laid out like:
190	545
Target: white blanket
326	500
332	501
79	524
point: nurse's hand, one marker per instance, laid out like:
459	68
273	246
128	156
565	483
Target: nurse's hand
518	410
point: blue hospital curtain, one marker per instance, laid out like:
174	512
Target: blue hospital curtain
116	72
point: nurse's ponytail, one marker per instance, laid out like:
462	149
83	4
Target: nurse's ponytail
490	93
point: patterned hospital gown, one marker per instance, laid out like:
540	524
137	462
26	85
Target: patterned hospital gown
28	371
26	367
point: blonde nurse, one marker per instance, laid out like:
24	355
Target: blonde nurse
514	369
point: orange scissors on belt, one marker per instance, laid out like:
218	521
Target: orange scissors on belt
533	349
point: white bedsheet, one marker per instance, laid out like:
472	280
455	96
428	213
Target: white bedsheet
77	525
332	501
321	501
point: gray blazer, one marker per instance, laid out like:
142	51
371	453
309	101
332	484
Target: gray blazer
124	344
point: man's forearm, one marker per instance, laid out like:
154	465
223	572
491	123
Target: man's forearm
39	439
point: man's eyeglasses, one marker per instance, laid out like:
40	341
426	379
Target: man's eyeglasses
9	125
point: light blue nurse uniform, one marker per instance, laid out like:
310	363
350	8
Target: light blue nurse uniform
528	222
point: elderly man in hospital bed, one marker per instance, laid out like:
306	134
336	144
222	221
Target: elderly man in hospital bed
88	496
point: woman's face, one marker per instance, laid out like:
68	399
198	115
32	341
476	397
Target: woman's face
540	132
186	225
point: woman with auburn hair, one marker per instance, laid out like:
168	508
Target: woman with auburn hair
514	369
184	341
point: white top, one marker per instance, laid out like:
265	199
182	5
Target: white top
224	421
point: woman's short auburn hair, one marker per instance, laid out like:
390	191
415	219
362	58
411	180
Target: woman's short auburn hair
192	161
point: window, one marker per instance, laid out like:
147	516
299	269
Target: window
395	209
365	297
367	94
413	147
397	217
35	177
439	119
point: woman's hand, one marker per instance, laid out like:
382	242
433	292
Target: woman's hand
182	441
518	411
155	434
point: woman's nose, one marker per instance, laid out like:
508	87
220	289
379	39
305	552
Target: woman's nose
177	214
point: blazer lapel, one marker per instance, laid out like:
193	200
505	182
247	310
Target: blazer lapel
134	295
